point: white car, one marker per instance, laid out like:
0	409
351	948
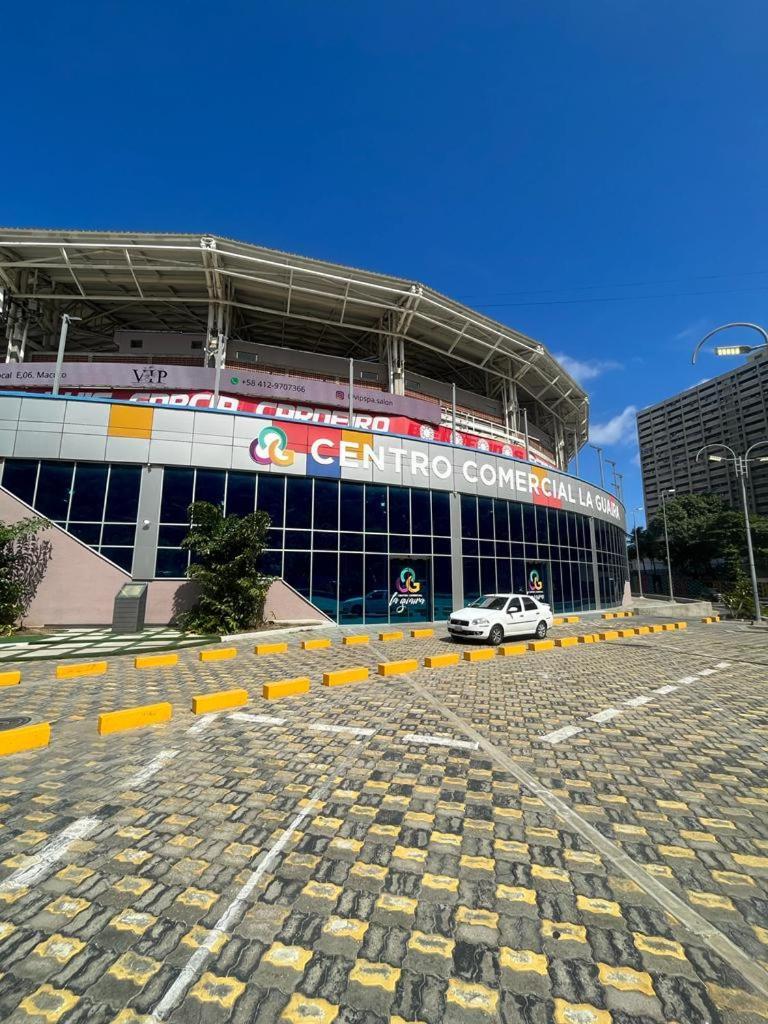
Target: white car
496	616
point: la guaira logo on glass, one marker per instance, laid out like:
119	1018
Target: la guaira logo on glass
407	592
535	582
270	447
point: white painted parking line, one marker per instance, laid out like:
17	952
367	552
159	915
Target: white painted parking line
666	689
322	727
637	702
706	672
244	716
438	741
604	716
687	679
723	664
201	724
51	853
561	734
150	769
232	913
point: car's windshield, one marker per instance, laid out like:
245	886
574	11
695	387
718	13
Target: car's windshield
492	601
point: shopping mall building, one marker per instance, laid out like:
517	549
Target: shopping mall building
411	452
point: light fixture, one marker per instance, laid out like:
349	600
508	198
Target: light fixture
733	350
715	458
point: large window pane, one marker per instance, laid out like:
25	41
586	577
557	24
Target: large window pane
296	568
468	515
123	495
241	494
125	533
53	489
326	505
441	514
120	556
324	577
443	587
271	563
209	486
515	521
399	510
351	506
375	508
88	493
19	476
270	497
88	533
171	563
177	493
485	518
501	519
471	571
421	521
376	588
351	588
529	524
488	575
298	501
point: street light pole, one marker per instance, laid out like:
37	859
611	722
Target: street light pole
66	319
669	490
741	465
600	460
735	350
637	551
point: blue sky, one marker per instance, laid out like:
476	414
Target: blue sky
592	173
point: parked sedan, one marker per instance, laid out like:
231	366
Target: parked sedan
493	617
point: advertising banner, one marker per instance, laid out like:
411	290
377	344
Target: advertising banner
276	386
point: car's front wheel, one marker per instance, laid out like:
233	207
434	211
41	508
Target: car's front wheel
496	635
541	630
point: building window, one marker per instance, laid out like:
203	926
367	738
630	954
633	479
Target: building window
96	503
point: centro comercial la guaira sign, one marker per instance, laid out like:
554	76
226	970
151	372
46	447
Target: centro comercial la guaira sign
356	455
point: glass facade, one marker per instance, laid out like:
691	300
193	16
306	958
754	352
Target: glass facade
96	502
343	545
503	541
335	542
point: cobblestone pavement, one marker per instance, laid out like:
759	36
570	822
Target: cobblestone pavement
578	836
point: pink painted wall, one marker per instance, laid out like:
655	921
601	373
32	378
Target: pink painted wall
79	586
284	604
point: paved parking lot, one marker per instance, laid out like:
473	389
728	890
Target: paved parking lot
578	836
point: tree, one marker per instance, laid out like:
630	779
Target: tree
739	598
707	539
225	555
23	561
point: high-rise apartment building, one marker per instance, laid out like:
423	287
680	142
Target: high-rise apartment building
730	409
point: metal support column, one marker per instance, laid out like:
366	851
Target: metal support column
457	567
145	550
595	573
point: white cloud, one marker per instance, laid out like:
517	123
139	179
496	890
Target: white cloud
693	330
618	430
585	369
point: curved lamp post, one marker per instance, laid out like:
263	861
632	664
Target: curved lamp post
731	350
664	493
741	464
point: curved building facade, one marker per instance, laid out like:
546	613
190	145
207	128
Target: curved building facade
393	495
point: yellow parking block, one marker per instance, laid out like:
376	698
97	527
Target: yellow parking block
316	645
668	626
220	654
441	660
134	718
511	650
422	634
285	688
397	668
89	668
681	625
480	654
558	622
270	648
710	618
358	638
641	630
204	703
26	737
572	618
155	660
586	638
626	632
10	678
393	634
567	641
541	645
342	676
656	629
608	615
610	634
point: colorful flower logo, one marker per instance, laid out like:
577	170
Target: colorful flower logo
408	584
271	447
535	582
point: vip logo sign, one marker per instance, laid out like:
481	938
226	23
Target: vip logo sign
149	375
407	593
